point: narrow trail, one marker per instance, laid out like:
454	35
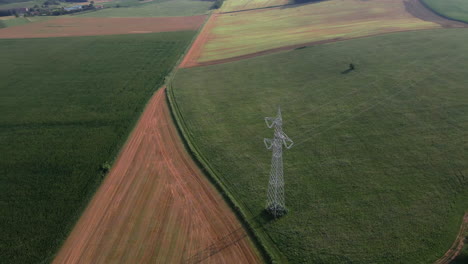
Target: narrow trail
155	206
457	246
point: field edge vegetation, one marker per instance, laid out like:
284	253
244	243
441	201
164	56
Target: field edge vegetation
263	244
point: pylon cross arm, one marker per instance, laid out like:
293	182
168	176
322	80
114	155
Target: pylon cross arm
268	143
288	143
270	121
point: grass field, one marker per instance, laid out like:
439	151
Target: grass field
67	107
156	8
17	21
248	32
378	173
236	5
18	4
456	9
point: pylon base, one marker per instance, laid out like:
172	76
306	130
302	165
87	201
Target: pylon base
276	210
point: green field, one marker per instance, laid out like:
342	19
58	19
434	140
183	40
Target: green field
17	21
155	8
456	9
68	105
379	172
17	4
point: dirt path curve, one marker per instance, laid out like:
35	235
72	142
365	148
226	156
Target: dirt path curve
414	7
457	246
155	206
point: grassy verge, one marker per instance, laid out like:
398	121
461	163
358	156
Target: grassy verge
67	107
269	252
378	172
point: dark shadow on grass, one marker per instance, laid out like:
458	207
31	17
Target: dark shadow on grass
296	3
347	71
462	259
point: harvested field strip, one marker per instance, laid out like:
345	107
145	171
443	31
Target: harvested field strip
76	26
457	246
238	5
155	206
238	34
190	59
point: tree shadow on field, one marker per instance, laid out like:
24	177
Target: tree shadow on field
296	3
230	239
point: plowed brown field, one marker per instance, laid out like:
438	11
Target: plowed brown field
91	26
155	206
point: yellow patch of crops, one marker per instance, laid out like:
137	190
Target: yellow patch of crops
236	5
237	34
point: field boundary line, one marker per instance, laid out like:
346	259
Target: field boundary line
457	246
258	246
263	244
259	8
440	14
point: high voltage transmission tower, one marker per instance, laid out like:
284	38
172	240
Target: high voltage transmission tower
275	198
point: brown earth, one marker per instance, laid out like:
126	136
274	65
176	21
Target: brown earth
191	58
91	26
414	7
457	246
155	206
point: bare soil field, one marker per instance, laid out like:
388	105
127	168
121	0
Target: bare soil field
87	26
235	36
155	206
194	53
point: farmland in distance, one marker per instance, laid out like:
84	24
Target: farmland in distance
237	34
67	107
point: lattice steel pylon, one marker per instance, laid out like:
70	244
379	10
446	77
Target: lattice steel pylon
275	199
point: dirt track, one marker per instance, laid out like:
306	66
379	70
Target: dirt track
155	206
457	246
191	58
413	7
93	26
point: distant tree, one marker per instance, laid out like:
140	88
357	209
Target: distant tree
5	13
217	4
304	1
